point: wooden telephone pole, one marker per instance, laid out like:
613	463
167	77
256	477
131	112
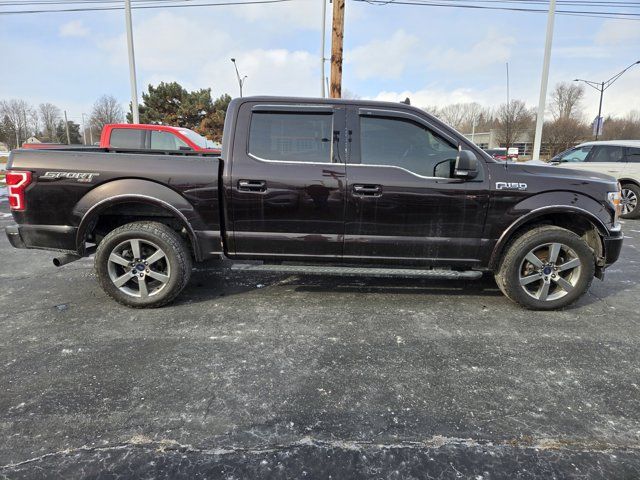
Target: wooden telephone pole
337	38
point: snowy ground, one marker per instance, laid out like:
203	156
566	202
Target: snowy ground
268	376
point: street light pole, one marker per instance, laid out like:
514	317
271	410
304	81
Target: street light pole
601	87
132	63
84	130
84	127
240	80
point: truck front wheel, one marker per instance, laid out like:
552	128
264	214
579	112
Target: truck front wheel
546	268
143	264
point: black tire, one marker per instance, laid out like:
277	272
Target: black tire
516	266
156	283
632	193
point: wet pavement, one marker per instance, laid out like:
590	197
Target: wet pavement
280	376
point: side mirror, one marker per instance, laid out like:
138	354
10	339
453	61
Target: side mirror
466	165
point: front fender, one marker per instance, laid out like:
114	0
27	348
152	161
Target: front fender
535	207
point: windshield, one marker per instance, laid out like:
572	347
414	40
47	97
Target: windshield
574	155
199	140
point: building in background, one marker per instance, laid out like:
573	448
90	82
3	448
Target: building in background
524	143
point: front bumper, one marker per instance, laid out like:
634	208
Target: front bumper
612	247
15	239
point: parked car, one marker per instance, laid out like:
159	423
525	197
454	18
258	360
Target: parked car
497	153
503	154
618	158
154	137
320	186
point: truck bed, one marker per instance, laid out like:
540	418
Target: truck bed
70	186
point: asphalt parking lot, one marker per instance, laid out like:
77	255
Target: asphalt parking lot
315	377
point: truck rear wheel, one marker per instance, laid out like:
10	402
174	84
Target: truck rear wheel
143	264
630	201
546	268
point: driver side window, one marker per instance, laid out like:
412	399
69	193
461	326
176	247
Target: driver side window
405	144
576	155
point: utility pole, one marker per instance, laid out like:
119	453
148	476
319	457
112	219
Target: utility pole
323	36
66	126
337	39
601	87
537	141
132	63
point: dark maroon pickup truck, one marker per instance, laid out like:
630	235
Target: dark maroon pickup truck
319	186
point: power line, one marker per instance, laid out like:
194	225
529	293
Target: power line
94	9
577	13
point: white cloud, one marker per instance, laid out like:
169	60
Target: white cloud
587	52
432	95
619	99
285	16
74	28
268	71
386	58
198	58
493	49
615	32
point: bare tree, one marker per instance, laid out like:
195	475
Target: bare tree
349	95
566	100
513	119
626	128
106	110
453	115
50	115
563	133
19	115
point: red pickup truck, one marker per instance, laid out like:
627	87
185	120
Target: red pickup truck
154	137
144	137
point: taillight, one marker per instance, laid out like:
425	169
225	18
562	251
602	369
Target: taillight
16	183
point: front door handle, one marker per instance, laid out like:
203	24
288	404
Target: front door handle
252	185
367	190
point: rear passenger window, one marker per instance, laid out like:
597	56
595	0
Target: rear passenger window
165	141
291	137
606	154
127	138
633	155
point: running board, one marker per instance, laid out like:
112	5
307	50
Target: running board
360	271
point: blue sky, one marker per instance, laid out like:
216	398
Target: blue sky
434	55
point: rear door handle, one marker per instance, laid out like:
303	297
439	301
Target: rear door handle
252	185
367	190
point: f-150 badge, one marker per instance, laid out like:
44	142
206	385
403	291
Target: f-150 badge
511	186
82	177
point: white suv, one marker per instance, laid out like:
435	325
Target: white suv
618	158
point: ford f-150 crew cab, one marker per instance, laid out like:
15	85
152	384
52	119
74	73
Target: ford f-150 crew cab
319	186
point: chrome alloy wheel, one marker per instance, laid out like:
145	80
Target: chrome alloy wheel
139	268
550	271
629	201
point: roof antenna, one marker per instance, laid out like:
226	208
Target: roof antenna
406	101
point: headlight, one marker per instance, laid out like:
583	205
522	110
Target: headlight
615	200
